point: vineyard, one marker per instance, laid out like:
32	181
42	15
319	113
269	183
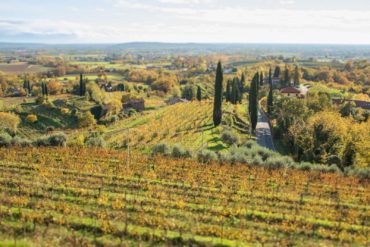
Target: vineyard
189	124
81	197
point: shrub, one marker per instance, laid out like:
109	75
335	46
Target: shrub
42	141
31	118
64	110
154	135
277	162
180	152
5	139
206	156
325	168
113	119
95	142
265	153
131	112
21	142
238	157
40	100
95	93
304	166
250	144
362	173
9	121
161	149
86	119
58	140
49	129
229	137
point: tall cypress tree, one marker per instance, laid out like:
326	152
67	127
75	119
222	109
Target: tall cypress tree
217	107
42	89
277	72
286	77
199	93
228	91
242	83
253	101
82	85
29	88
296	76
270	95
235	93
25	84
46	90
261	78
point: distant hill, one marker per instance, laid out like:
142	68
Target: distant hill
302	50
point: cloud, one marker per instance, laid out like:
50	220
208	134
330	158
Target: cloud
183	23
185	1
287	2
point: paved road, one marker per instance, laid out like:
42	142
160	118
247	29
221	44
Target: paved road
263	132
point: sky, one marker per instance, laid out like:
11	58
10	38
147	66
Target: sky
182	21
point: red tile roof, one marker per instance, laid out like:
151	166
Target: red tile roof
290	90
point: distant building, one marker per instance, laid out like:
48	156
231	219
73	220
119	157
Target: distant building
294	91
137	104
291	92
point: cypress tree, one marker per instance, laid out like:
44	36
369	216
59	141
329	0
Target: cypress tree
235	94
228	91
46	90
261	79
270	96
253	101
296	76
29	87
217	107
242	83
82	85
286	77
277	72
199	94
238	95
25	84
43	88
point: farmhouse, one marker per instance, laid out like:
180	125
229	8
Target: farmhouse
290	92
294	91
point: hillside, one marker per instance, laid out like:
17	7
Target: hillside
69	197
189	124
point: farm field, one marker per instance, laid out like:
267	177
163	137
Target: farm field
89	76
19	68
69	197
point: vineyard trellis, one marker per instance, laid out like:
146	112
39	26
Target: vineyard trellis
68	196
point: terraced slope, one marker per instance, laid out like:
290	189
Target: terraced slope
80	197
